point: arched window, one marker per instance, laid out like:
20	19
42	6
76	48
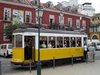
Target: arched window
94	37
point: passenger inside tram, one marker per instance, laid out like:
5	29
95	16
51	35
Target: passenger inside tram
50	45
43	45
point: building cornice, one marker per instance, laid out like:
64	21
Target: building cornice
68	13
45	9
17	4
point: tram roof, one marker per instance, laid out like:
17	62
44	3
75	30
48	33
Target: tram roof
23	30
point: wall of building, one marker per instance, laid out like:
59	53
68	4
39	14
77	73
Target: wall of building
45	19
95	25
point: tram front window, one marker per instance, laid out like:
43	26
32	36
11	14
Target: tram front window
18	40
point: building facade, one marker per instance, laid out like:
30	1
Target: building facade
16	11
95	27
86	9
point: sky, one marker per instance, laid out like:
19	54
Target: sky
95	3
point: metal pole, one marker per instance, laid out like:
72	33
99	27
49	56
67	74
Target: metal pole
0	68
87	57
53	63
39	63
30	65
93	57
72	60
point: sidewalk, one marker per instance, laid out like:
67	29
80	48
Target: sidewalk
77	69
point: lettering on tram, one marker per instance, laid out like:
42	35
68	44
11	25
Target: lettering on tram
58	44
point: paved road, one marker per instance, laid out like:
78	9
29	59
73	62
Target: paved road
76	69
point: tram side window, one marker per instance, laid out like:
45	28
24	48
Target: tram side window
66	41
73	44
51	42
59	42
79	42
18	40
29	41
85	40
43	42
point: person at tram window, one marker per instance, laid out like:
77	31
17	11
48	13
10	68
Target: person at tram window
43	45
50	45
65	44
78	44
28	49
53	45
58	44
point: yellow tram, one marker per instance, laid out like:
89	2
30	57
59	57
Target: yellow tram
54	44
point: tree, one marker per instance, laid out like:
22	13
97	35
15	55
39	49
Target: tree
9	30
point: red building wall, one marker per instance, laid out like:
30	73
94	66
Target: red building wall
45	18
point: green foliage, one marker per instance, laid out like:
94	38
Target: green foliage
9	29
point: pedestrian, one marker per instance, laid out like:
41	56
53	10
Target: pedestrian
92	53
43	45
85	52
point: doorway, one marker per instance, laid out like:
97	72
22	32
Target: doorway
29	48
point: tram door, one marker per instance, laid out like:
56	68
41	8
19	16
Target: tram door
29	49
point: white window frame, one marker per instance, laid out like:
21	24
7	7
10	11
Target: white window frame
17	16
83	24
29	13
98	29
77	23
4	37
61	20
8	14
52	17
70	20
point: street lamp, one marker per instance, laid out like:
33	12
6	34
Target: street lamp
39	13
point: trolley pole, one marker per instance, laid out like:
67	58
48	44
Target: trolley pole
54	63
30	65
87	58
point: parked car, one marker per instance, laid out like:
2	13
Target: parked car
91	47
97	45
6	49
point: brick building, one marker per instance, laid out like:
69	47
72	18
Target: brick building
13	11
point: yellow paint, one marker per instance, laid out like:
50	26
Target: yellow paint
17	55
58	53
47	54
